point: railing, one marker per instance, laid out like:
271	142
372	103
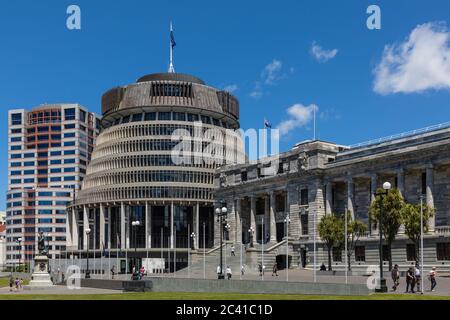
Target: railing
401	135
442	230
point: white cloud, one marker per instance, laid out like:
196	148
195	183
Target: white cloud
271	72
420	63
231	88
300	115
321	54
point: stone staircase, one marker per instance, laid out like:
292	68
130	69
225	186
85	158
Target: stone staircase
211	260
251	258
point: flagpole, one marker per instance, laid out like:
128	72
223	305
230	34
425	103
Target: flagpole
314	123
171	44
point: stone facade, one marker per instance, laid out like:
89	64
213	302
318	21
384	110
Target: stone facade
317	178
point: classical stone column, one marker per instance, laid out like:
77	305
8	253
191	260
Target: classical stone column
74	226
108	241
197	225
430	199
85	226
102	226
148	226
253	216
171	225
401	182
329	198
316	207
273	223
401	189
295	225
122	226
231	220
238	221
350	197
373	191
217	228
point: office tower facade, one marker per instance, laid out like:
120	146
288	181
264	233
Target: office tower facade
49	148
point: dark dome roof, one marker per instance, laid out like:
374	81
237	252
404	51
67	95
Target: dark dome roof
170	77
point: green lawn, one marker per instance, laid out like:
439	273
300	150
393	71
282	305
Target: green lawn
4	282
214	296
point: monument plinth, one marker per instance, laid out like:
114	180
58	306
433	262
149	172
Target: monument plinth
40	277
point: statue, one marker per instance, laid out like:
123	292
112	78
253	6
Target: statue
41	244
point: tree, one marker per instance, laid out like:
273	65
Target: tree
355	230
411	221
331	231
392	206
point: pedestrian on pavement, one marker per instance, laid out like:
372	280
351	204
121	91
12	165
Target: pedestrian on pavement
417	275
242	270
232	250
432	278
267	237
275	270
260	267
21	283
16	283
395	274
229	274
219	271
11	283
410	280
62	277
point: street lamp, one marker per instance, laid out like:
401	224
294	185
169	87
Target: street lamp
251	231
221	213
88	274
386	187
135	225
19	243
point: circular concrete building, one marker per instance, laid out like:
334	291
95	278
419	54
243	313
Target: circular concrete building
150	181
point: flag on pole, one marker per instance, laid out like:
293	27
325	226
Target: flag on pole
267	124
172	38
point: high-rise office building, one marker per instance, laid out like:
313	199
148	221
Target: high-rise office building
49	148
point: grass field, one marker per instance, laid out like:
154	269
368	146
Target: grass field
4	282
214	296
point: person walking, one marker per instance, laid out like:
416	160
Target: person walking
113	271
219	271
229	274
260	267
275	270
21	284
242	270
417	276
432	278
11	283
232	251
409	280
395	274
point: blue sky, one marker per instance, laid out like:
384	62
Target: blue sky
260	49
